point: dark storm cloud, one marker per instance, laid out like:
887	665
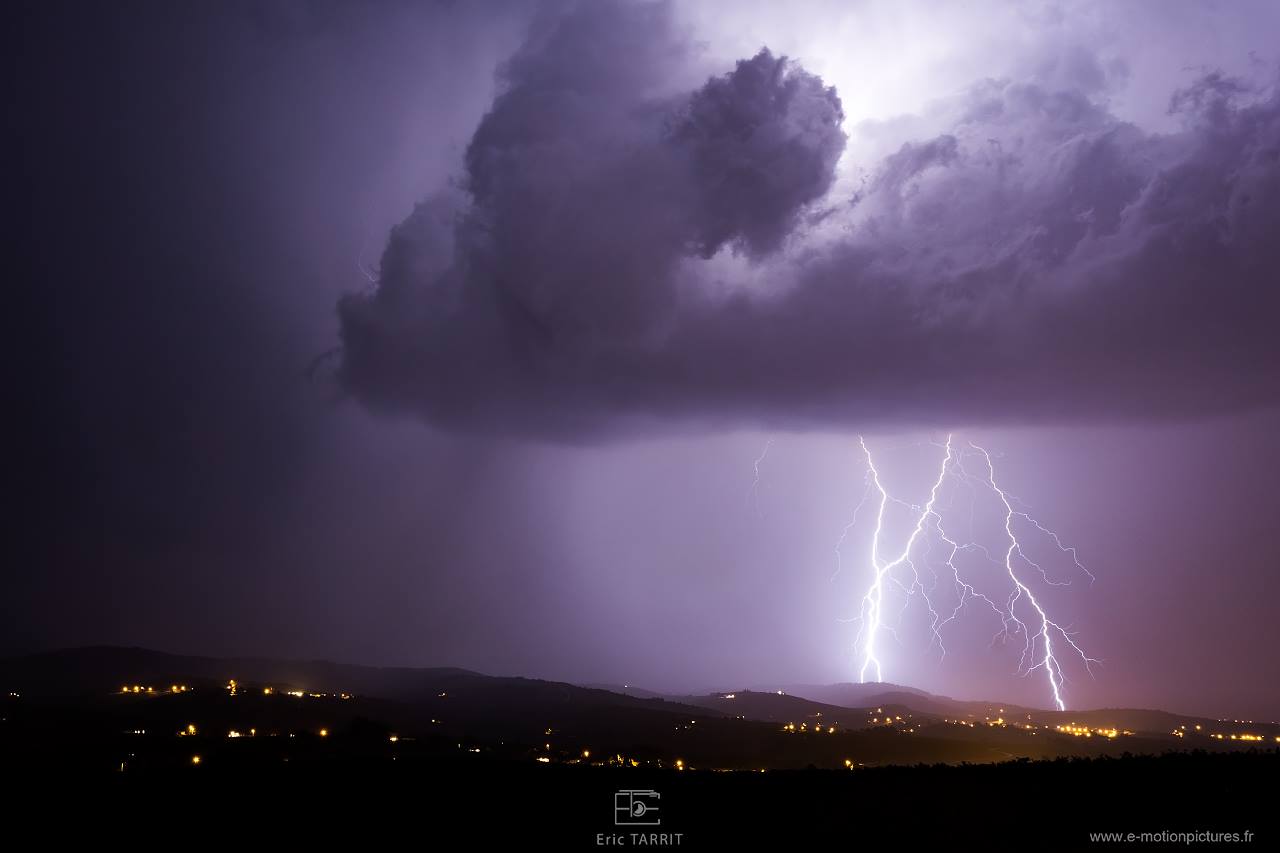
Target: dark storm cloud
1042	259
764	141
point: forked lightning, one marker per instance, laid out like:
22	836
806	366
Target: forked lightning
1020	611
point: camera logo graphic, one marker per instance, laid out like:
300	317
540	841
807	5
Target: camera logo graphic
636	808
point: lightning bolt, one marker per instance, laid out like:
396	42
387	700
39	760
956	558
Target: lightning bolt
844	534
873	601
755	483
1037	648
1021	612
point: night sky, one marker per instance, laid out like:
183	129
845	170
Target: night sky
456	333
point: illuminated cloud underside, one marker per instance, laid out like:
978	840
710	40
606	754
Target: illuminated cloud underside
632	250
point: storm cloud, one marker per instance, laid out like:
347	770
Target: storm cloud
633	243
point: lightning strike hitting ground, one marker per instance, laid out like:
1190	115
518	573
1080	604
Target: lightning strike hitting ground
1041	637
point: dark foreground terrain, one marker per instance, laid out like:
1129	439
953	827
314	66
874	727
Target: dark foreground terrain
459	804
109	741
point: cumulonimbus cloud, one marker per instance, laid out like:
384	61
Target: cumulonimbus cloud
624	251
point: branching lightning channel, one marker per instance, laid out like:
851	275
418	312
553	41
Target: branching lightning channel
873	601
1020	612
1037	652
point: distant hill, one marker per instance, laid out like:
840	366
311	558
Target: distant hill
104	669
627	690
70	709
783	708
843	693
750	728
927	704
876	694
70	672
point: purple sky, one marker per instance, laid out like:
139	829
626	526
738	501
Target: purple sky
643	247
